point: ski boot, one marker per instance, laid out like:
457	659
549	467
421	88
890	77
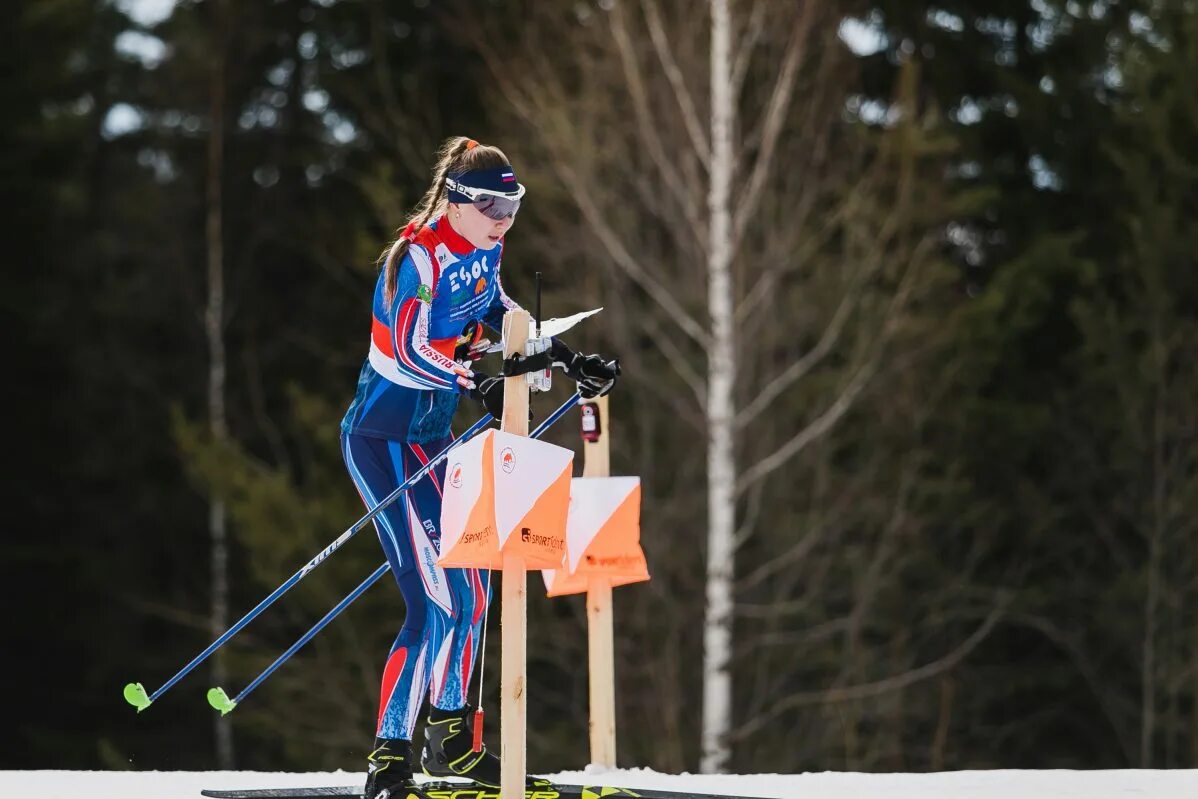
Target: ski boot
449	750
389	771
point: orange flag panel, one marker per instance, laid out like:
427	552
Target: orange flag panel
603	536
505	494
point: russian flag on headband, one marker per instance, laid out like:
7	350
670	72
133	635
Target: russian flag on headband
501	179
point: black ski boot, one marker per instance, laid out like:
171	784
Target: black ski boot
389	771
449	748
449	751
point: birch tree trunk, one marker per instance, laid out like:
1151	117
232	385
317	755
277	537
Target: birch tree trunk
721	377
214	328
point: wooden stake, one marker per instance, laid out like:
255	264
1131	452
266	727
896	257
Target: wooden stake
601	640
514	599
602	665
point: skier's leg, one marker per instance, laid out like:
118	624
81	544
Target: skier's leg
422	509
404	676
449	733
456	599
450	685
422	523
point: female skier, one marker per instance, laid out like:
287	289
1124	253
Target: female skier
438	285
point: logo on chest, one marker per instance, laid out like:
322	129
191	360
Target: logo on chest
468	280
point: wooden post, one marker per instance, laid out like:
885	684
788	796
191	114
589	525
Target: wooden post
514	599
597	463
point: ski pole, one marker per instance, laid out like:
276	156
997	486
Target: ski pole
135	692
221	701
552	418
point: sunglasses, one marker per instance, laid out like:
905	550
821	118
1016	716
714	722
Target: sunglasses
491	204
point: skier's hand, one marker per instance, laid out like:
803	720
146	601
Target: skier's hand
488	391
596	376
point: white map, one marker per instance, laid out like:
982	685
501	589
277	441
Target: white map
553	327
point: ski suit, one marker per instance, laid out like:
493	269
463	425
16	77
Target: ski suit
399	418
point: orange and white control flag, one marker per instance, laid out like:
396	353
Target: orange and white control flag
603	536
505	493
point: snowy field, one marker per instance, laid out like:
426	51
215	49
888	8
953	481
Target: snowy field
828	785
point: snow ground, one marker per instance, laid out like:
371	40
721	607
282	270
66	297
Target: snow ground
1124	784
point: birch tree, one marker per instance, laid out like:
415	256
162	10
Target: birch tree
721	381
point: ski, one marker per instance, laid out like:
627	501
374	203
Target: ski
461	790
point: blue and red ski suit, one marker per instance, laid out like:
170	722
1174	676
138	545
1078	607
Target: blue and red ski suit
400	417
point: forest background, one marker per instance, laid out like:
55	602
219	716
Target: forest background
947	332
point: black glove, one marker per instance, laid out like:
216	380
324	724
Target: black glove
595	376
488	391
